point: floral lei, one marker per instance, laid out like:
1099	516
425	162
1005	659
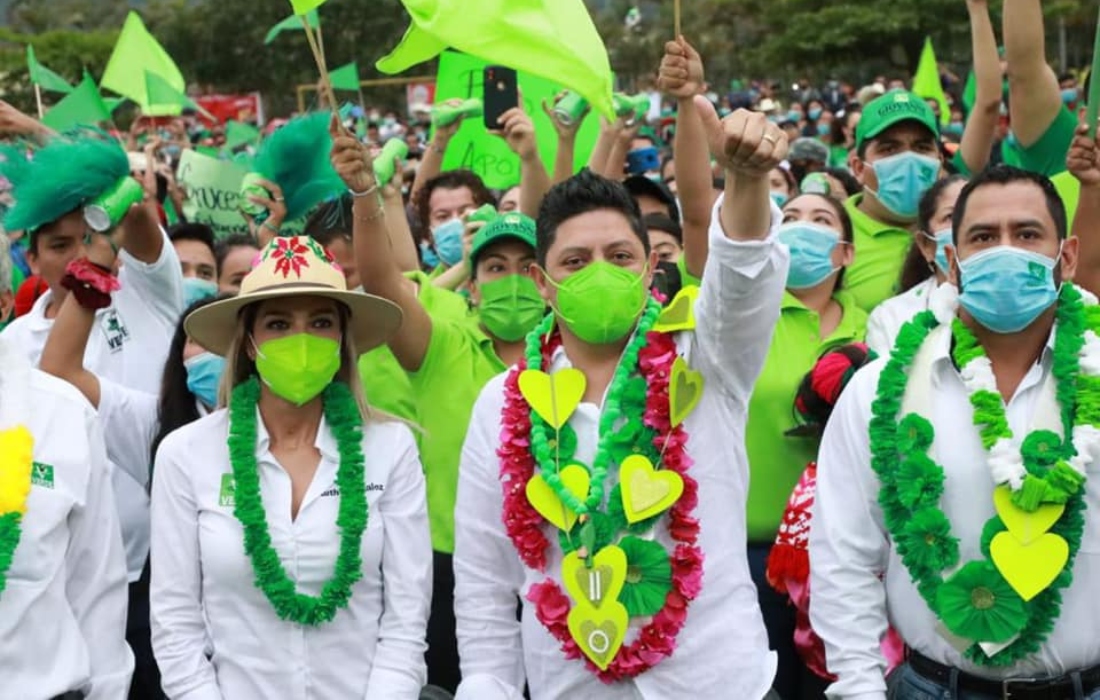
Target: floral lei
16	467
643	401
342	417
980	600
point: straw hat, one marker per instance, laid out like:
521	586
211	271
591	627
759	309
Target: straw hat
294	266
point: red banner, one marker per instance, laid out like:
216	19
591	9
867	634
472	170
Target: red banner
241	108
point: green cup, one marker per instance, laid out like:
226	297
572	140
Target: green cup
384	166
250	185
445	115
105	211
570	109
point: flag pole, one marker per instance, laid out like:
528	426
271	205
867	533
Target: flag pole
38	100
676	17
1093	110
326	86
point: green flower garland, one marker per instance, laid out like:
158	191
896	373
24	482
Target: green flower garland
976	602
10	532
342	417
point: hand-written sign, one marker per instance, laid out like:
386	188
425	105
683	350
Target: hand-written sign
474	148
213	192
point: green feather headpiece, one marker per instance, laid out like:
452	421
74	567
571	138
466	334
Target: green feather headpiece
60	177
296	158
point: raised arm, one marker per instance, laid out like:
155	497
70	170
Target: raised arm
144	240
374	255
518	131
1083	162
620	147
609	131
397	222
567	142
981	123
432	162
276	213
681	76
1036	98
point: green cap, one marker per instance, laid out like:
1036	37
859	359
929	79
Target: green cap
511	225
894	107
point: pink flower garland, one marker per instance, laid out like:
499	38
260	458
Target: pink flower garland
524	525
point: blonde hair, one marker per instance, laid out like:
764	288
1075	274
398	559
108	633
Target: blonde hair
239	367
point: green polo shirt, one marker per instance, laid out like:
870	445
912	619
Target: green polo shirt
459	362
385	382
880	249
776	461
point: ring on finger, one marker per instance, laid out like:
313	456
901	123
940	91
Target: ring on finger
771	139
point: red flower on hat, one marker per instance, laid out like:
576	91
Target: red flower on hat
290	256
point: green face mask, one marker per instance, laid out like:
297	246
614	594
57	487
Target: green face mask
298	367
510	307
601	303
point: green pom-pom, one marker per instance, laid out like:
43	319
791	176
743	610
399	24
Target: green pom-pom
296	158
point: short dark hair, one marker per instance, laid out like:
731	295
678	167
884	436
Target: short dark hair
580	194
193	232
850	183
330	221
450	180
1006	175
662	222
238	240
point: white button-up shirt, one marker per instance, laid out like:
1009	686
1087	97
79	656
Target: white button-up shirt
850	547
216	635
889	316
722	650
63	611
128	345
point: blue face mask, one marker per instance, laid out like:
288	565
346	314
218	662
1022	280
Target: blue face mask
942	239
1069	96
815	114
204	373
780	198
811	247
448	241
431	260
955	129
196	290
794	115
902	181
1005	289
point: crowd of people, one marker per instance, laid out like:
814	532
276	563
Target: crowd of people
597	435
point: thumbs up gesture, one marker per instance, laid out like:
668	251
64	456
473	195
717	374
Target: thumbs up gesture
745	142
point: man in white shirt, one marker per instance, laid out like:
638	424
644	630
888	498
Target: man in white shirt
130	342
63	593
703	636
982	411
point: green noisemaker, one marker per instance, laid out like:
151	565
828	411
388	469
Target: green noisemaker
105	211
385	166
445	115
570	109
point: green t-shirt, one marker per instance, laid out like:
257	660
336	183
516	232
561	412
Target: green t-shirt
459	362
776	461
838	157
1069	189
880	250
1047	156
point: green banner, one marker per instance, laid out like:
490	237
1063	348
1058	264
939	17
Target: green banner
474	148
213	192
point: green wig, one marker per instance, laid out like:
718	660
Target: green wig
60	177
296	158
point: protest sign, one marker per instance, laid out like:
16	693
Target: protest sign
474	148
213	192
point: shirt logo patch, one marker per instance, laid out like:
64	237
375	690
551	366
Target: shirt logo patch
226	495
114	329
42	475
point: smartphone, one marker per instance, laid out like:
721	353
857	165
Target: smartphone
501	93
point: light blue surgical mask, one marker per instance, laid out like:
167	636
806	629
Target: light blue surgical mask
448	241
204	373
780	198
811	247
902	181
1069	96
815	114
1005	288
794	115
942	239
431	260
196	290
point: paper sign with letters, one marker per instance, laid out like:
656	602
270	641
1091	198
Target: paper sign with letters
213	192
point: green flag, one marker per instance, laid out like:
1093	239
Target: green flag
113	103
165	100
82	106
970	92
136	53
303	6
552	39
43	77
293	23
239	134
345	77
926	81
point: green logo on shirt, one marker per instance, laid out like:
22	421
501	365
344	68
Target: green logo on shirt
229	487
1038	272
42	475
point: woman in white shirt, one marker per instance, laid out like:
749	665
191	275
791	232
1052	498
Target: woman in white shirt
291	556
925	269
